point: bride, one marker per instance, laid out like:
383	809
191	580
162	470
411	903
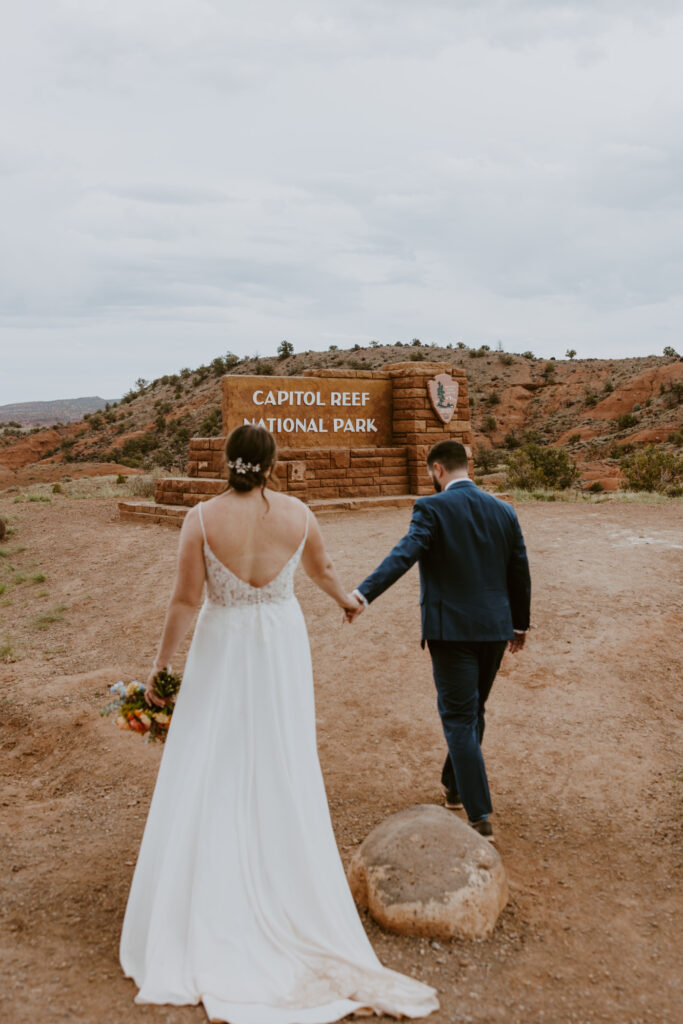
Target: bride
239	898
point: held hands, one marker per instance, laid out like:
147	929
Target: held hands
352	607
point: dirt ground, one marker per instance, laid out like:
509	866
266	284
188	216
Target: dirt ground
583	750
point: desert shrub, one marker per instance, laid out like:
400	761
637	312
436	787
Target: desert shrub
548	371
609	387
121	479
374	343
535	466
676	437
461	345
333	348
528	355
574	439
506	358
417	356
486	459
589	396
676	393
3	528
264	368
570	353
596	487
285	349
230	360
212	424
490	423
493	398
625	421
416	342
57	489
650	469
142	485
511	441
670	351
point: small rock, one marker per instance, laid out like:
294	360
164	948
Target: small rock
425	872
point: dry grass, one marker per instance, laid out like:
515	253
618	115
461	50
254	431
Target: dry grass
139	485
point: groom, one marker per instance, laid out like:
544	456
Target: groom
475	594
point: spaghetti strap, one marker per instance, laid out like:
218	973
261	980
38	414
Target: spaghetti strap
201	520
308	519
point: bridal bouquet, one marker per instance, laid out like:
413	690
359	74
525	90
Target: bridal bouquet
134	713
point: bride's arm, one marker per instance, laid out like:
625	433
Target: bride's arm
186	596
319	568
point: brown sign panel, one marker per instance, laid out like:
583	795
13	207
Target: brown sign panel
312	412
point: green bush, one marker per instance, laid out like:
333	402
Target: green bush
534	466
670	351
212	424
596	487
486	459
506	358
417	356
285	349
490	423
626	420
651	469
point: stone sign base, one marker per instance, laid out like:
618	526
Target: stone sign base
319	474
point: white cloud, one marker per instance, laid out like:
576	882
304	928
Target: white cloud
183	177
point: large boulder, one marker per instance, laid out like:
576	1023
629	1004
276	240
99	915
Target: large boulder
425	872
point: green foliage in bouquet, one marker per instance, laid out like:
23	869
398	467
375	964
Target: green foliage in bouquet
133	713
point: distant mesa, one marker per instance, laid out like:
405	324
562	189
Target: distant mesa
45	414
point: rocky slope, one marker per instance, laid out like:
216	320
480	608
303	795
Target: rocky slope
597	408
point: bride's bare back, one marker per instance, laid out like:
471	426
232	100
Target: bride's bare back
252	537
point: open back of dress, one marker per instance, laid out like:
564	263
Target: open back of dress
239	898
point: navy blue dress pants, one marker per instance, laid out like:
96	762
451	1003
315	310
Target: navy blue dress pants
463	673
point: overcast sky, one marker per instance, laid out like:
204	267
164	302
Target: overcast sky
179	178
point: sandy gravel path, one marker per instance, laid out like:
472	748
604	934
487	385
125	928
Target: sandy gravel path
583	749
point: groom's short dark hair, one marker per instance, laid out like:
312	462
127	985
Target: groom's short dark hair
451	455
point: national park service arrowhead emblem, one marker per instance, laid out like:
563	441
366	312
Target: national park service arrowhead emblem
443	394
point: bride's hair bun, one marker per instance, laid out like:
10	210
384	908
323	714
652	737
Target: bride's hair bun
250	454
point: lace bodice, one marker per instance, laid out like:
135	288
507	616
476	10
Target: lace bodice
226	590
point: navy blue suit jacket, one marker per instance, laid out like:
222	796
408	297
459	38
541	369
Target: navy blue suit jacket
474	573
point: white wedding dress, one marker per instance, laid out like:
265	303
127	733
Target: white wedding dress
239	898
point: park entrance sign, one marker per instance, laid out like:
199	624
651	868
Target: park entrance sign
342	435
308	412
